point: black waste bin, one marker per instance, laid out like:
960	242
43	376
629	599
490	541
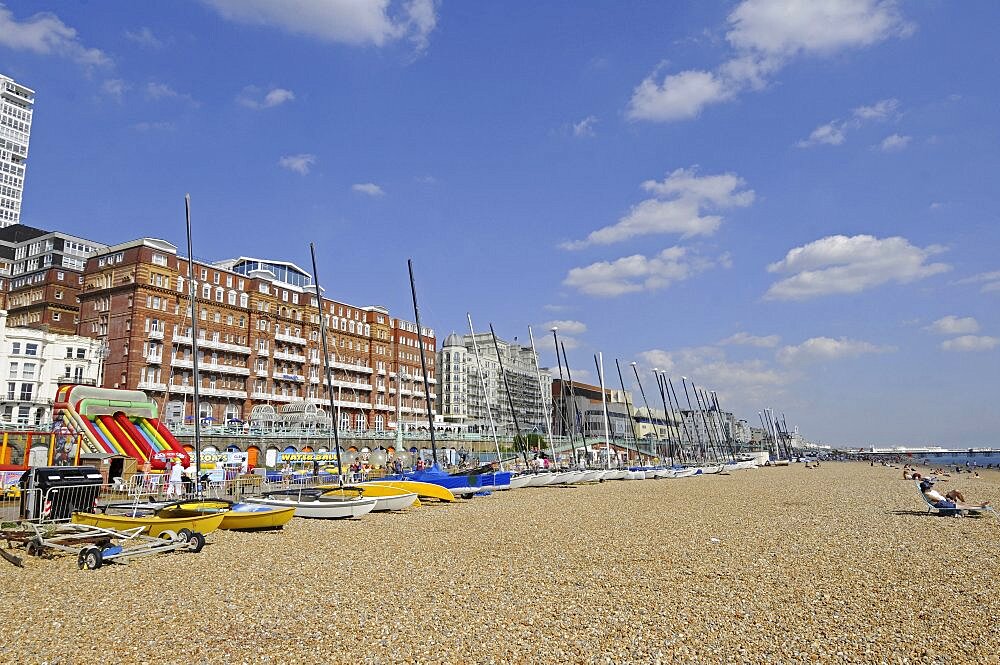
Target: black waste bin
54	492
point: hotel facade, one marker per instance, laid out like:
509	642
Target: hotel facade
258	340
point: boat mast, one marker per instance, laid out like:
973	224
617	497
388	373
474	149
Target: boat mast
704	420
668	416
334	408
562	396
720	429
576	407
676	400
649	413
631	418
599	359
541	395
486	394
423	362
193	291
510	400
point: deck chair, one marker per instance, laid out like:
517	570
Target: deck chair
950	512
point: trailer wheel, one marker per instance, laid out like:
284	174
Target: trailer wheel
92	558
34	547
184	535
196	541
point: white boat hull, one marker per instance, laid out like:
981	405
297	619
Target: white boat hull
589	476
397	502
686	472
325	509
518	482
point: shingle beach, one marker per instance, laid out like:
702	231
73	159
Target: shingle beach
837	564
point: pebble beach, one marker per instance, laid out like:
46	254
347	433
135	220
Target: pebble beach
836	564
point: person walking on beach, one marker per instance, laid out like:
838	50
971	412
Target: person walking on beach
176	487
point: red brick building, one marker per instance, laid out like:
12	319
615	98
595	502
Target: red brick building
258	338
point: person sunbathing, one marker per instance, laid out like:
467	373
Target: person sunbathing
953	500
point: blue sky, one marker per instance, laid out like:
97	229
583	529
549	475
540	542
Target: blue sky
792	203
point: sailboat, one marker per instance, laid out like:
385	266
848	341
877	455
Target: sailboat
463	484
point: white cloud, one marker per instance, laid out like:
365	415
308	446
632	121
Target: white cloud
251	97
832	133
678	208
585	127
45	34
821	349
990	281
679	97
300	163
784	29
566	326
765	35
841	264
114	88
369	188
894	143
880	110
144	37
835	132
954	325
359	22
160	91
971	343
746	339
636	273
708	367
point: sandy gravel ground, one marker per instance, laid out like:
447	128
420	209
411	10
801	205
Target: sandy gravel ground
836	564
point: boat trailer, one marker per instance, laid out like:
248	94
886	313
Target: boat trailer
95	546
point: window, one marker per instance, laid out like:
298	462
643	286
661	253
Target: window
204	273
159	260
216	278
219	294
81	353
56	316
244	300
26	390
31	349
206	291
58	294
15	348
28	372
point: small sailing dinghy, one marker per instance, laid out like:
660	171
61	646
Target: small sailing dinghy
317	503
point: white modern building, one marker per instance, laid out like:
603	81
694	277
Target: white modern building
16	104
462	401
32	364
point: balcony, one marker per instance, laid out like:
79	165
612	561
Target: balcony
261	372
350	367
281	337
337	383
185	340
150	385
154	358
313	379
263	352
291	357
154	334
274	397
208	392
222	368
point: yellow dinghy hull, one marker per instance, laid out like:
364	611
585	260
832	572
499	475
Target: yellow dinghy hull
235	517
422	490
154	526
388	498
